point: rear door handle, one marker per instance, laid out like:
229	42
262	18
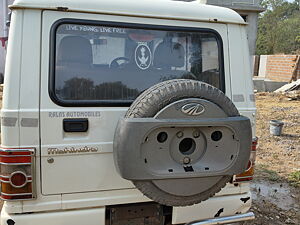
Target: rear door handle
75	125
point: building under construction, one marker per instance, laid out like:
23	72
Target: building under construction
4	11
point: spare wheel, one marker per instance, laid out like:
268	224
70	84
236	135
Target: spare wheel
181	141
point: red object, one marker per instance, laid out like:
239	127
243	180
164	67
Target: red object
3	41
15	156
248	174
18	159
15	183
14	151
241	179
254	144
16	197
18	179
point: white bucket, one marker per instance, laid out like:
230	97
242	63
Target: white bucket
276	127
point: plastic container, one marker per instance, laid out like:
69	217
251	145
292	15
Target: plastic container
276	127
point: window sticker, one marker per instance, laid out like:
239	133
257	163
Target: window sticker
143	56
93	29
74	114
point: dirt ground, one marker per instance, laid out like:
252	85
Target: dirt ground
276	188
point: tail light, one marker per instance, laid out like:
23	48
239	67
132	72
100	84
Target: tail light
248	174
16	174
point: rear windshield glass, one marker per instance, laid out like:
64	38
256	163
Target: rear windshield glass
116	64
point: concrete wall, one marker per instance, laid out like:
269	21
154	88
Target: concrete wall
263	66
2	53
281	67
234	2
249	10
277	67
252	20
2	33
261	85
274	72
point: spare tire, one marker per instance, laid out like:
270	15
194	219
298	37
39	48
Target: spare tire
155	103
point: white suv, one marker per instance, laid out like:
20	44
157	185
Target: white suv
126	112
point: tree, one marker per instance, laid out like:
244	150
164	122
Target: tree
287	40
278	27
271	4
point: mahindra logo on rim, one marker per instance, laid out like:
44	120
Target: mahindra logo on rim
193	109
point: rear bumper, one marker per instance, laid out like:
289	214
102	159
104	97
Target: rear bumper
38	219
214	208
74	217
226	220
77	219
221	208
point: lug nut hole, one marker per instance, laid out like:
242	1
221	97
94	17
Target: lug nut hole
216	136
162	137
187	146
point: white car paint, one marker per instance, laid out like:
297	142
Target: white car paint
85	183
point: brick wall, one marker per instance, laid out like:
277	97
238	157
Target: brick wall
281	67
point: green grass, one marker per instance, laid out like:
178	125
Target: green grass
272	175
263	171
294	178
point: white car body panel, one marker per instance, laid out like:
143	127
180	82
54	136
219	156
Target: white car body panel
97	184
101	132
167	9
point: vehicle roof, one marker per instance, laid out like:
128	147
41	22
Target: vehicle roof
165	9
